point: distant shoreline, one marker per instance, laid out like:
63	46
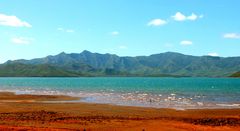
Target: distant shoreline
117	76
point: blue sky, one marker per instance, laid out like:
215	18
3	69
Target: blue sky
31	28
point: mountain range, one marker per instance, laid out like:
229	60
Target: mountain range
94	64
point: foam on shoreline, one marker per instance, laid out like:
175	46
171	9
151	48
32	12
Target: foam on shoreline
139	99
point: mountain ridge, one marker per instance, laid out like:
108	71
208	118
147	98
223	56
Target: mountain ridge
162	64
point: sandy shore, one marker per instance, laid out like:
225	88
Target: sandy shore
29	112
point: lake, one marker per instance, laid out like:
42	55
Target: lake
178	93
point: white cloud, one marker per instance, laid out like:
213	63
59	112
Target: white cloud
157	22
232	36
186	42
8	20
22	40
212	54
1	61
70	31
122	47
66	30
192	17
181	17
60	29
115	33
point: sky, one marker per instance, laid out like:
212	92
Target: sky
32	29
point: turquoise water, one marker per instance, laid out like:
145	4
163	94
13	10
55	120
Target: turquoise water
180	93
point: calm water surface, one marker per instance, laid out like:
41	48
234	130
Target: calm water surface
178	93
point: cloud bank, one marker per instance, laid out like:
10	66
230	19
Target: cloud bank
212	54
186	43
115	33
231	36
181	17
22	40
157	22
7	20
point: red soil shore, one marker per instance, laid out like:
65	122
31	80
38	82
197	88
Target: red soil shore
27	112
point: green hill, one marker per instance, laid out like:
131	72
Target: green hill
95	64
237	74
20	70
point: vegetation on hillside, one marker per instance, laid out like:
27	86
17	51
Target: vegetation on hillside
237	74
94	64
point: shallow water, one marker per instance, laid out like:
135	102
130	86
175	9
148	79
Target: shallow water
178	93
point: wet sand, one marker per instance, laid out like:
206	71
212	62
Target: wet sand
32	112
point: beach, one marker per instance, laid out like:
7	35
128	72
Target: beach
49	112
119	65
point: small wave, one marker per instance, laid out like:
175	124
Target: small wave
228	105
144	99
